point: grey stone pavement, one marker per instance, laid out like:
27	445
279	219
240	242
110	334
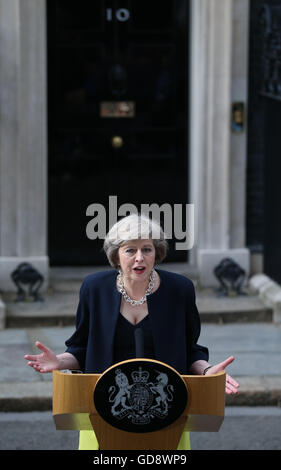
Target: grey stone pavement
241	326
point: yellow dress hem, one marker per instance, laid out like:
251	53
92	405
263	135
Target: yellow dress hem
88	441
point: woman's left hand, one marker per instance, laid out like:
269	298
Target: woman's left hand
231	385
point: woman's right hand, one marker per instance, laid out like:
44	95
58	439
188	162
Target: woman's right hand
45	362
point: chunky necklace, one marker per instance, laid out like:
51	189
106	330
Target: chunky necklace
147	292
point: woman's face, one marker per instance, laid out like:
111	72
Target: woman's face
137	258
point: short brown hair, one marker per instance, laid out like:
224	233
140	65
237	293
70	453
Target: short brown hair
134	227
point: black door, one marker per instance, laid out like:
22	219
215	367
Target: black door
272	226
117	94
268	83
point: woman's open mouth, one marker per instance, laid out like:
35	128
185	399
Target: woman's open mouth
139	270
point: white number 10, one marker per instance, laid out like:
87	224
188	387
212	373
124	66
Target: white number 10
122	14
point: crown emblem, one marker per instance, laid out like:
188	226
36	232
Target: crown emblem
140	376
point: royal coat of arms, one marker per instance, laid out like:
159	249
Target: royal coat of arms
141	400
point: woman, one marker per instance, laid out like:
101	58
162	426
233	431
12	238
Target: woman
134	294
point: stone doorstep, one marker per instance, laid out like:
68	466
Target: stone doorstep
69	320
23	397
59	309
264	315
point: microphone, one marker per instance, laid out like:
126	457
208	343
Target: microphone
139	342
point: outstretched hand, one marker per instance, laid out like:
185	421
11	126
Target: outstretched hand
231	385
45	362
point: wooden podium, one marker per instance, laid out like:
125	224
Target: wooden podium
74	409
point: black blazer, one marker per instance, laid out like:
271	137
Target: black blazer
174	319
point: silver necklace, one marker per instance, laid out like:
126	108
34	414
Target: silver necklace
126	296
